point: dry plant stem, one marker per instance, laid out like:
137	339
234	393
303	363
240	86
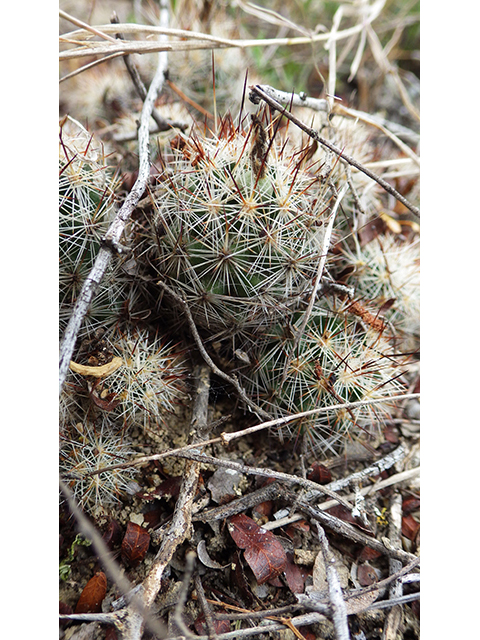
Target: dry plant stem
266	473
88	66
115	231
257	92
395	602
162	123
339	610
394	616
196	336
297	100
374	469
378	586
318	278
239	505
311	602
299	621
207	611
345	529
278	422
374	122
209	42
388	482
182	596
112	569
226	438
179	528
87	27
387	68
392	130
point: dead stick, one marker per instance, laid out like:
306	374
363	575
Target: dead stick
180	526
337	603
226	438
216	370
162	123
266	473
257	93
347	530
394	616
112	237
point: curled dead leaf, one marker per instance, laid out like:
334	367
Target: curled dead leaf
97	372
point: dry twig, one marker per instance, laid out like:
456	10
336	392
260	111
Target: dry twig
112	237
258	92
337	603
180	526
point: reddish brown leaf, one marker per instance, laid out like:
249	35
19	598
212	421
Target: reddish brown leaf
263	510
368	553
410	527
220	626
300	525
106	401
64	609
135	544
112	534
294	576
153	516
366	575
410	504
111	633
320	473
390	433
92	596
263	552
339	511
416	608
238	578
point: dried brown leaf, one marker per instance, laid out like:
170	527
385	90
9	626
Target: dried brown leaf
135	544
263	552
92	596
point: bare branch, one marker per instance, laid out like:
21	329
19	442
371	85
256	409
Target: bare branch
112	237
318	278
112	569
347	530
339	610
266	473
180	526
257	92
216	370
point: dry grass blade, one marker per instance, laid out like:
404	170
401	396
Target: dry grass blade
206	41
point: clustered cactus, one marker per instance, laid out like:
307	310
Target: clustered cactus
91	446
237	229
122	376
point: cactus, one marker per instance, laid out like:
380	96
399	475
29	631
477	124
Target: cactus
387	270
238	227
90	446
149	383
86	207
338	360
